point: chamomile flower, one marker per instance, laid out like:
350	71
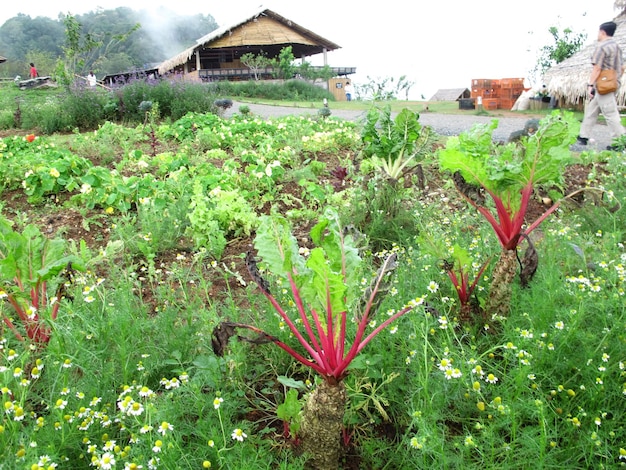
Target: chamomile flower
432	287
415	443
492	379
238	435
165	427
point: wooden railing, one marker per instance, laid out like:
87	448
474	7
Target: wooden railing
265	72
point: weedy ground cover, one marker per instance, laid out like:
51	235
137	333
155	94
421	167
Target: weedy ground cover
134	372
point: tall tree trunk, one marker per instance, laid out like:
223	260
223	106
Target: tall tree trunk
500	291
322	421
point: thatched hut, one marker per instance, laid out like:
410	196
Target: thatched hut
217	55
567	81
451	94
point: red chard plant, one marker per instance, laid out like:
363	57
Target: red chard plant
32	281
324	286
508	175
458	270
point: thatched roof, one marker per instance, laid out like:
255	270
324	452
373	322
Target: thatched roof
567	81
451	94
2	59
258	31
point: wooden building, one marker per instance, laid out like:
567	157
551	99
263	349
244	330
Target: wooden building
217	55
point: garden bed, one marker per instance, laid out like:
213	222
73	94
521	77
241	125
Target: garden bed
158	220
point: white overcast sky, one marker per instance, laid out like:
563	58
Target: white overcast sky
436	44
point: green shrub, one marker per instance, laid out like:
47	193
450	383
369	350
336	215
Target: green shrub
291	90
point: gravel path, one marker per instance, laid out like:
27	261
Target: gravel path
443	124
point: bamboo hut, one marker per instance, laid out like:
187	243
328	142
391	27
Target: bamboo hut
217	55
567	81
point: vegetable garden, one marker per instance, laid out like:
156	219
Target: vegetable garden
308	292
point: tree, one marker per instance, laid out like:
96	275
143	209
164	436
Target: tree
284	64
83	51
308	72
385	89
405	86
255	62
566	44
164	35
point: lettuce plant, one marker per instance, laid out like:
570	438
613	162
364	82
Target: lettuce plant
31	280
394	144
323	288
508	174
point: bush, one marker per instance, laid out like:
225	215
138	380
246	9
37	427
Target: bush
85	107
290	90
175	98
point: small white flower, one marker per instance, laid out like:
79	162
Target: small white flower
238	435
432	287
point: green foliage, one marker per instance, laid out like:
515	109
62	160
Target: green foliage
505	170
31	280
291	90
510	173
290	411
394	144
566	44
323	278
85	108
255	62
546	386
284	63
118	46
48	171
308	72
382	211
324	112
222	213
384	89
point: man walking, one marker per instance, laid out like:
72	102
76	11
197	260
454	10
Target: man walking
607	55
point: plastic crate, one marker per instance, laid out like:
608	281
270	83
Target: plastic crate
481	83
490	103
484	92
510	93
507	103
512	83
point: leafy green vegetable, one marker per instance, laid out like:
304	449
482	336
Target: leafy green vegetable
393	144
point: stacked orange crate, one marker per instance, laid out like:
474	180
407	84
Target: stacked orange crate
490	103
485	88
511	89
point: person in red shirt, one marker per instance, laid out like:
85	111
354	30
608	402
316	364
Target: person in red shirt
33	71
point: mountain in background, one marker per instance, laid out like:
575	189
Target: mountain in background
161	35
